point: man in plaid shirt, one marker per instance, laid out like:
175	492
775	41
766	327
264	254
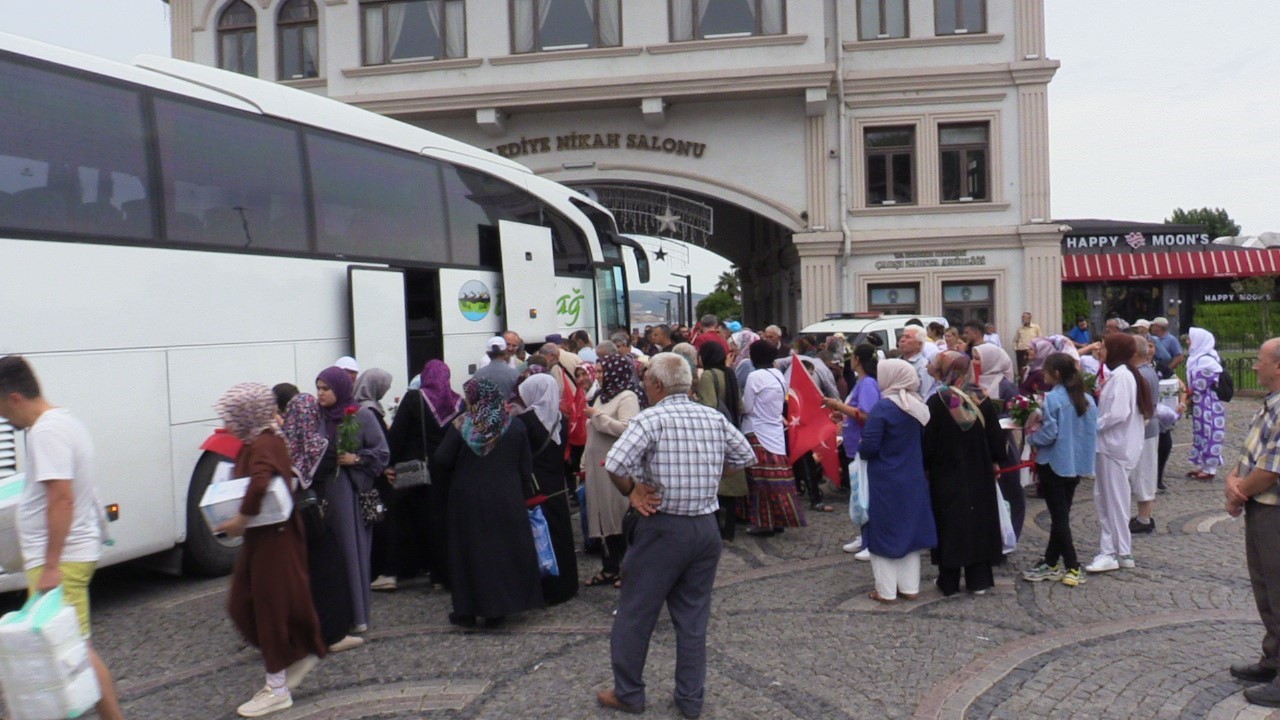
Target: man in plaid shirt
669	461
1252	488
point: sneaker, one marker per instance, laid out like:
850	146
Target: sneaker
384	583
1101	564
864	555
852	547
1126	561
1043	572
295	673
346	643
1137	527
265	703
1072	578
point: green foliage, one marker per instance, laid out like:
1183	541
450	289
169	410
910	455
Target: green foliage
1215	221
719	303
1075	303
1239	323
730	283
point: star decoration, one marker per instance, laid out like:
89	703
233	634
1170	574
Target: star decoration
661	254
667	221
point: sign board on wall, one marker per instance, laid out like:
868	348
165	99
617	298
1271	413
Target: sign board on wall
1132	242
930	259
575	140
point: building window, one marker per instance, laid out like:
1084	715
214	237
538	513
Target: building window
890	153
413	30
299	28
964	162
710	19
894	299
882	19
539	25
238	39
956	17
966	301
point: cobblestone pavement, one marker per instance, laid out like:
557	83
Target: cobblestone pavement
793	635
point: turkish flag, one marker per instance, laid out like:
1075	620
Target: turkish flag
809	426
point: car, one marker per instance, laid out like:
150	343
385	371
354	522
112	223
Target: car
856	327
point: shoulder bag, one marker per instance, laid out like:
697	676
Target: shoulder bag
415	473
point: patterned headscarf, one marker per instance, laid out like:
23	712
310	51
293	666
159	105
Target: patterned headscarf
958	390
617	373
1041	349
442	402
370	387
248	409
302	434
339	381
541	395
486	418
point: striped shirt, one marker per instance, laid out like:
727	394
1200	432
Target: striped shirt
1262	447
681	448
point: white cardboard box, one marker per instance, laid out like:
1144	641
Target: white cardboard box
222	500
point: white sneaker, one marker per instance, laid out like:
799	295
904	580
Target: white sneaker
864	555
295	673
384	583
852	547
1102	563
1126	562
346	643
265	703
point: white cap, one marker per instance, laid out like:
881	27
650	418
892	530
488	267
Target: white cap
1160	321
1141	323
348	363
497	343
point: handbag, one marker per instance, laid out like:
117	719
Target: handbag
311	508
542	543
415	473
372	511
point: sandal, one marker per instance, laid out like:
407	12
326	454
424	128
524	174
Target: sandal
819	507
601	578
1201	475
882	600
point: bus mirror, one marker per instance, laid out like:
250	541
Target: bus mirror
642	265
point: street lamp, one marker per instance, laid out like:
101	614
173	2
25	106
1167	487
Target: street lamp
688	296
681	307
666	314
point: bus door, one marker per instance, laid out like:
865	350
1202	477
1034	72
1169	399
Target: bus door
422	317
378	320
528	279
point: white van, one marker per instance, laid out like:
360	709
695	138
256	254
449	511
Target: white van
857	326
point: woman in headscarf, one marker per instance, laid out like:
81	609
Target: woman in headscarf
371	386
353	471
690	355
900	522
270	599
772	503
741	342
325	563
1208	419
962	441
547	429
718	388
493	565
607	416
1034	383
994	370
418	515
1122	405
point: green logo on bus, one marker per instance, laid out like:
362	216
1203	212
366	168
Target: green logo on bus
473	300
570	306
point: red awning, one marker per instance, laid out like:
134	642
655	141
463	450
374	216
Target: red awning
1172	265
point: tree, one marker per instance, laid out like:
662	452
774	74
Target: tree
1215	221
719	303
729	283
1257	292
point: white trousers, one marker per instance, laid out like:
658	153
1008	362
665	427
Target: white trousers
1142	479
894	575
1111	500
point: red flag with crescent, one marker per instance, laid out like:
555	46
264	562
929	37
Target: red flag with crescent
809	426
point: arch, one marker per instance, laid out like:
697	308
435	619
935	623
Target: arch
298	40
237	38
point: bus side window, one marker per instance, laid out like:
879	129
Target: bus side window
642	265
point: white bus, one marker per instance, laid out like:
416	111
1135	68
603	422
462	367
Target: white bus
168	229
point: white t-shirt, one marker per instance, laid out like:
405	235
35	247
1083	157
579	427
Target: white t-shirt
59	448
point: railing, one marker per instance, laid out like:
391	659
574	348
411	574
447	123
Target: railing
1242	374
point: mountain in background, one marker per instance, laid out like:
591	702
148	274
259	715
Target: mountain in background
647	306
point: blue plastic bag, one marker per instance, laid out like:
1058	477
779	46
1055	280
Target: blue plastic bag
542	543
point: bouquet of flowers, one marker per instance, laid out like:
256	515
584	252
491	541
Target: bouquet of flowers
1021	408
1090	382
349	431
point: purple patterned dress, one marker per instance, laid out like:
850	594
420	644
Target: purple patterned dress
1208	421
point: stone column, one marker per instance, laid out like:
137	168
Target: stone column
182	29
1042	274
819	274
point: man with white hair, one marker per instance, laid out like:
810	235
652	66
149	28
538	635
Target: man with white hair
668	462
773	336
911	345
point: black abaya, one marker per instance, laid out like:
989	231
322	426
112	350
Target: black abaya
328	569
548	459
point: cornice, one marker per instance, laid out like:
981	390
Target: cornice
412	67
952	99
868	242
968	207
725	43
555	55
304	83
950	78
923	42
725	83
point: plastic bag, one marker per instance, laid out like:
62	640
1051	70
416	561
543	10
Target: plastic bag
1007	536
542	543
859	493
44	663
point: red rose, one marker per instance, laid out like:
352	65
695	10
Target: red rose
351	410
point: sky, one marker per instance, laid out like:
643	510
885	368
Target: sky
1158	104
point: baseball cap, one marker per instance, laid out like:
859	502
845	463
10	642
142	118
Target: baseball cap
556	338
1160	321
733	325
348	363
1142	323
497	343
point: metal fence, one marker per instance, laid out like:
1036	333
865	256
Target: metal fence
1242	374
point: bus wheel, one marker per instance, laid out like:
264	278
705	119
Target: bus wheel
203	553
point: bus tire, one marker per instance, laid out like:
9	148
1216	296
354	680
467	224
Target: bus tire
202	553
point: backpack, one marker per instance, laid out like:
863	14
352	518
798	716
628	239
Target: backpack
1224	387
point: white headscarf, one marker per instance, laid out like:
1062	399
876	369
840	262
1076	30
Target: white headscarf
1202	356
900	384
995	365
541	395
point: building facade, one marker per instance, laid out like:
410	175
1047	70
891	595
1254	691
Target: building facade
847	156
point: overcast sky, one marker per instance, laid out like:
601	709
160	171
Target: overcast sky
1158	104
